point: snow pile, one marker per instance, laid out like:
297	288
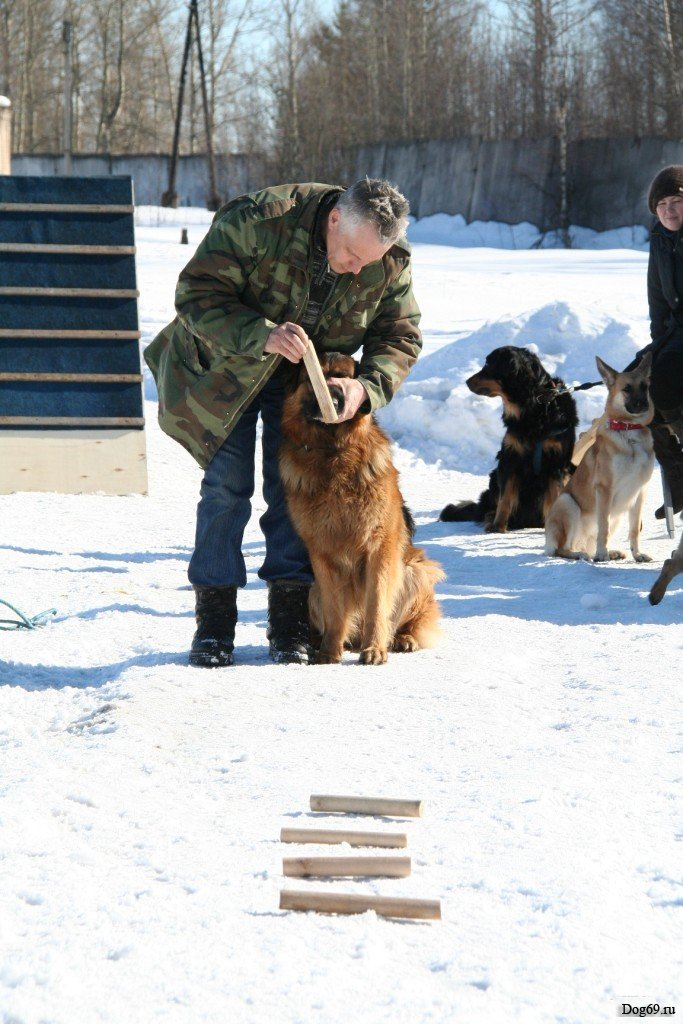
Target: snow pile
436	415
444	229
635	237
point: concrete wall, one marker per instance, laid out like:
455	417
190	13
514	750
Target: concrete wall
514	180
510	180
235	173
609	181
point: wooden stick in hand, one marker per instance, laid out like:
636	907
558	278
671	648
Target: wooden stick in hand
322	392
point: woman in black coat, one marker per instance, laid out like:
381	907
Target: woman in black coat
665	299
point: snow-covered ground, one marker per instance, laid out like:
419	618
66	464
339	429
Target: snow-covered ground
141	801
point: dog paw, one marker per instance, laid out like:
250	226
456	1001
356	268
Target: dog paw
326	658
373	656
404	642
642	557
496	528
616	556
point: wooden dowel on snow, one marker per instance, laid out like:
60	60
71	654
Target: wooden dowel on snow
322	392
346	867
344	903
329	836
367	805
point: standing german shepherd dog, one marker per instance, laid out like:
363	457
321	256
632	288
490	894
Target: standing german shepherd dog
373	589
534	461
612	476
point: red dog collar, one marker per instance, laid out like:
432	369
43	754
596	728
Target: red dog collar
620	425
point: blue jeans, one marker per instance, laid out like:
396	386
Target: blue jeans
225	504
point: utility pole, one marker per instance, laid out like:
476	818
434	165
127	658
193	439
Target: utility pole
170	196
68	89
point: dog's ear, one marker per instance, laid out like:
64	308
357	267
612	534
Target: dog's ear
527	367
645	365
606	372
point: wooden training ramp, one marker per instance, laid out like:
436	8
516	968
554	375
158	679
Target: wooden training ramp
71	410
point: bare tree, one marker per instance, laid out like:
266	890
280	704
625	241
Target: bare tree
642	71
286	82
289	25
6	8
228	25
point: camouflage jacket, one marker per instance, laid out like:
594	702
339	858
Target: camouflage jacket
251	272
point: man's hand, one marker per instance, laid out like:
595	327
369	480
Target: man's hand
288	340
354	395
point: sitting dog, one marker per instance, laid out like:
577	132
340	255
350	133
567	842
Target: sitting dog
612	476
373	589
534	461
671	568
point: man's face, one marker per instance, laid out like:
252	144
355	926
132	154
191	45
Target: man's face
350	247
670	212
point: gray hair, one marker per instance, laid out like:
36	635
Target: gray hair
378	202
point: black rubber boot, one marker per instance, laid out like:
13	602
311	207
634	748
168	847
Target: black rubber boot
216	616
670	457
289	631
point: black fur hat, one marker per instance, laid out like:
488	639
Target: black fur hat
668	182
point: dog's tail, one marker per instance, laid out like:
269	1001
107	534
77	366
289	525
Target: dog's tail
421	610
463	512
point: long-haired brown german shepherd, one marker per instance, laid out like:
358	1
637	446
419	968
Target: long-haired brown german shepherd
373	590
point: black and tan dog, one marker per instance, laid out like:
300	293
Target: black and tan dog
534	461
612	477
373	590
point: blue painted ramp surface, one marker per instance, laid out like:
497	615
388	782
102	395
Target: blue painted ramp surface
68	303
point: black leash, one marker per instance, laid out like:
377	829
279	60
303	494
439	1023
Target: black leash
548	396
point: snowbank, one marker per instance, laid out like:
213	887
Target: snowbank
444	229
437	416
